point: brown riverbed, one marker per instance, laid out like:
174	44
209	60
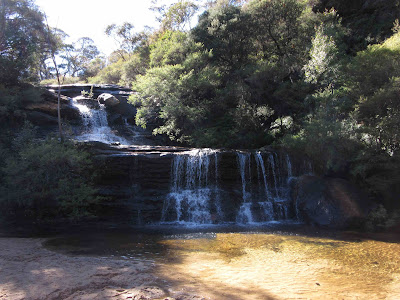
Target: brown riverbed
200	266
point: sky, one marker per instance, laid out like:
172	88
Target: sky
89	18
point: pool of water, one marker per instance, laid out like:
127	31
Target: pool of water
269	262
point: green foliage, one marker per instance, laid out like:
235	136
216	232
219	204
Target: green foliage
374	86
123	71
375	66
22	40
126	37
328	135
46	179
16	97
276	28
368	22
178	16
88	94
79	57
223	30
380	219
66	80
111	74
323	62
170	48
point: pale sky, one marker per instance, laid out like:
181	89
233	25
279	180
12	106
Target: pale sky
81	18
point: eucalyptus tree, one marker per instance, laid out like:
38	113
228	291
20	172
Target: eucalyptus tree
78	55
22	40
127	39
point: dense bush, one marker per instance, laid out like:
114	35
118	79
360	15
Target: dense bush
45	180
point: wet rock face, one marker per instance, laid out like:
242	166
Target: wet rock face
330	202
137	180
51	109
45	113
140	182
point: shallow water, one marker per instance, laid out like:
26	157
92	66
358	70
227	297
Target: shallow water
253	263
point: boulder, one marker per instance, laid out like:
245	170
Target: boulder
108	100
329	202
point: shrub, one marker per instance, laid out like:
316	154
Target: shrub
46	179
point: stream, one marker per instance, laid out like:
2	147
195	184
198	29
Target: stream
235	262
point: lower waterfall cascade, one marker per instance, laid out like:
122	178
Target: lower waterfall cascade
197	196
193	196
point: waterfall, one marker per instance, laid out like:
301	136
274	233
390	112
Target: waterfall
271	160
190	200
268	199
289	167
95	124
220	214
245	214
260	164
203	189
244	163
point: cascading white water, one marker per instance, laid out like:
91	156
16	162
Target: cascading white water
260	165
192	197
271	160
289	167
196	197
245	214
96	126
270	201
220	214
267	207
244	163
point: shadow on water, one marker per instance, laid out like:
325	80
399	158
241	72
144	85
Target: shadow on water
149	242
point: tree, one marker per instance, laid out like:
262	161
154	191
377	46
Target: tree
94	67
323	64
126	37
223	30
79	55
327	53
170	48
179	15
374	84
55	43
22	39
276	27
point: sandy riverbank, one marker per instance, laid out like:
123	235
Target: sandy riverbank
28	271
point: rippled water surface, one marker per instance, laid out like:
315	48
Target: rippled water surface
254	263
